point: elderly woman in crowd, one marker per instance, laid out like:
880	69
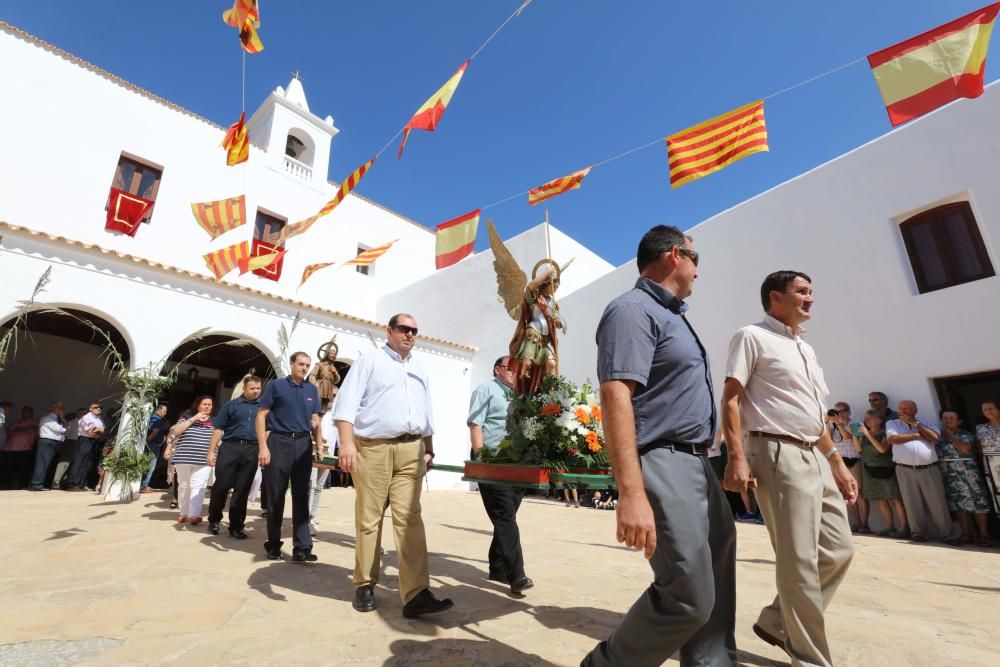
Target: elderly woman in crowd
190	459
989	433
879	474
963	485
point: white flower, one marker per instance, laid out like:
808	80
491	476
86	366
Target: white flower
567	421
530	427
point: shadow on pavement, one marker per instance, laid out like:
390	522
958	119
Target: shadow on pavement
460	652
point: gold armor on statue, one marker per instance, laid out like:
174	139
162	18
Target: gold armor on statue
324	375
534	349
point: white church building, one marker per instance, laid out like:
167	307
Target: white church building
897	235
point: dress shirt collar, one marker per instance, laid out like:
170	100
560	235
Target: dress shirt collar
780	327
662	295
243	399
504	388
395	356
293	382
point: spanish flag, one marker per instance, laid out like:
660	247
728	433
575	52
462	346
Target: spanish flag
221	262
236	142
710	146
557	187
221	216
455	239
937	67
429	114
345	189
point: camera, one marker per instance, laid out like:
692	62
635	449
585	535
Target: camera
832	413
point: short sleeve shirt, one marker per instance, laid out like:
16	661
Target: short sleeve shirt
488	410
644	336
917	452
238	419
291	405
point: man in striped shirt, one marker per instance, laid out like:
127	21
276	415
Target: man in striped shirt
384	419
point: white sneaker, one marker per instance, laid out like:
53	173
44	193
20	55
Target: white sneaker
312	528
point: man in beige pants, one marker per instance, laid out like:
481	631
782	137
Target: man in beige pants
776	395
384	420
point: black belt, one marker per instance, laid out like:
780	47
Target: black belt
291	434
929	465
406	437
684	447
240	441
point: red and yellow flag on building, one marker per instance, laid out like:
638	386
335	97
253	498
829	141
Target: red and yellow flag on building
927	71
717	143
368	257
125	212
263	262
455	239
221	262
311	269
557	187
346	187
245	17
237	142
429	114
221	216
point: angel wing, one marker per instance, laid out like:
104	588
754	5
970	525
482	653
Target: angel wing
511	280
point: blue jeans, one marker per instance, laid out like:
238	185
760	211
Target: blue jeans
155	451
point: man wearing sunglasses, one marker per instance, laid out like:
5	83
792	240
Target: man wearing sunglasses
384	419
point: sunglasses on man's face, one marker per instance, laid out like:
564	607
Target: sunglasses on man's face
403	329
691	254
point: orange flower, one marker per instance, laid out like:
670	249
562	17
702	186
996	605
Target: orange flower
582	416
551	410
593	443
596	410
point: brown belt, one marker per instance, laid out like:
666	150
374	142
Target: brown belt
406	437
783	438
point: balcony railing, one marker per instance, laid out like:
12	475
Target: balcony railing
297	169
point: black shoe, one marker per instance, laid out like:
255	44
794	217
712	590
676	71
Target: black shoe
237	533
425	603
953	542
518	586
304	556
274	554
213	527
364	598
917	537
498	576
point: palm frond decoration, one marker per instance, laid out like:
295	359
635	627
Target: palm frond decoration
284	342
8	343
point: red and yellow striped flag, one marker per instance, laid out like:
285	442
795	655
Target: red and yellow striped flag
221	262
455	239
258	262
557	187
219	217
708	147
311	269
368	257
429	114
245	17
927	71
345	189
236	142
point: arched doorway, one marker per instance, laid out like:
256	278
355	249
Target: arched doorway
59	357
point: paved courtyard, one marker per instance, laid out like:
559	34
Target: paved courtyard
88	582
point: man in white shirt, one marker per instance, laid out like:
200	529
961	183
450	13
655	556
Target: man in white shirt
775	395
384	419
319	475
51	432
68	448
919	477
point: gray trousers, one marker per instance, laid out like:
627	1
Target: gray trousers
926	505
691	604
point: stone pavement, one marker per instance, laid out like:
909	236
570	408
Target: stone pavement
88	582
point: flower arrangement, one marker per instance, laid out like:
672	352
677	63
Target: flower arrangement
558	427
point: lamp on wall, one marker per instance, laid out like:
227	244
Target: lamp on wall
192	375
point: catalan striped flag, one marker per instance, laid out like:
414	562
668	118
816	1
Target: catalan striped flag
221	262
708	147
311	269
429	114
237	142
557	187
221	216
455	239
345	189
245	17
368	257
927	71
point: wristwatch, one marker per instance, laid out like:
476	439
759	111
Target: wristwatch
430	454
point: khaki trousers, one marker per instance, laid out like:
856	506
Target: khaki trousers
926	504
390	474
806	518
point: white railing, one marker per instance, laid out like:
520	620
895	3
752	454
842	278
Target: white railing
297	169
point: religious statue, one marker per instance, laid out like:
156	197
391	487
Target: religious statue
324	375
238	389
534	349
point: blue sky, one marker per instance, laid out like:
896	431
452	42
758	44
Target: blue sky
566	84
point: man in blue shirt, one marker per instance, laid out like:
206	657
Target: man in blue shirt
155	436
236	462
289	411
487	427
659	421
